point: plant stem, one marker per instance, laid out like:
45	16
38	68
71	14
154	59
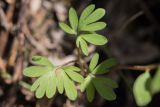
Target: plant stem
81	61
139	67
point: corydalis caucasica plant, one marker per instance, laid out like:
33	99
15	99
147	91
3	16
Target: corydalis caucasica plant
103	85
85	27
53	79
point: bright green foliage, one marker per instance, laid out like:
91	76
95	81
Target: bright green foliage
94	16
102	67
95	39
60	86
86	12
155	83
87	22
39	60
66	28
73	68
84	46
94	26
86	82
36	71
93	62
74	75
81	43
52	78
70	88
73	19
104	86
141	90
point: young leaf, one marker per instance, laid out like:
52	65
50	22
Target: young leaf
94	26
86	12
51	86
85	83
39	60
94	61
95	39
70	88
36	84
90	90
66	28
36	71
73	68
60	85
95	16
74	76
105	91
40	91
46	83
104	66
73	19
140	90
84	47
155	83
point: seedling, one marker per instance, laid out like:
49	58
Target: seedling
52	79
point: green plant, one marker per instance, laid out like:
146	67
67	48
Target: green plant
145	87
103	85
85	28
63	77
90	78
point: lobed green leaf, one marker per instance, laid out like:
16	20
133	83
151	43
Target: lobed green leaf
95	39
60	85
94	26
141	92
86	12
74	76
95	16
94	62
104	66
70	88
36	84
66	28
85	83
40	60
36	71
84	47
73	19
51	85
73	68
40	91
